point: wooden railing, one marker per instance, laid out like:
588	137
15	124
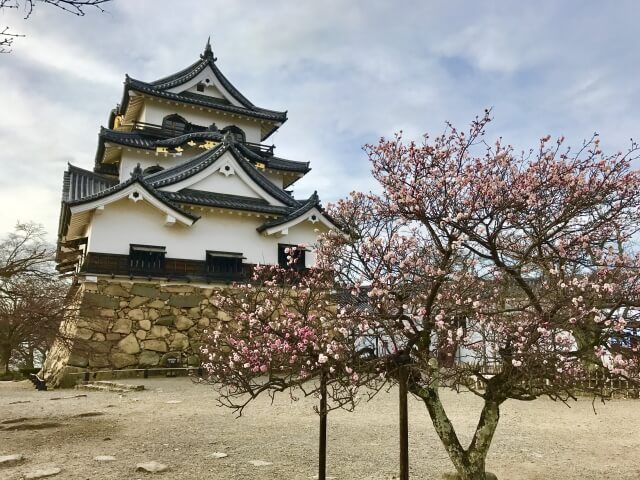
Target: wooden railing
174	268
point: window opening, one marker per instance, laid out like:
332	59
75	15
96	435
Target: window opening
146	258
224	264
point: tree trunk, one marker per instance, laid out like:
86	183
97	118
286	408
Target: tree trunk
469	463
5	356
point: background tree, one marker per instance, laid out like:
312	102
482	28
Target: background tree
32	298
475	257
75	7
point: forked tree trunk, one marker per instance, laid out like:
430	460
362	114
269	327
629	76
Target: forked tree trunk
469	463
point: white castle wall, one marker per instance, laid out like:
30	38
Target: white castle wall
125	222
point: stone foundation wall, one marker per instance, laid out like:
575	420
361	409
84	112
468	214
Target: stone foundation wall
127	325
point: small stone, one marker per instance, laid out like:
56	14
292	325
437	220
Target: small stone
11	460
223	316
122	325
151	467
144	324
98	337
153	314
204	322
136	314
180	342
113	336
166	320
137	301
44	472
104	458
217	455
156	304
159	331
183	323
259	463
84	333
194	312
141	334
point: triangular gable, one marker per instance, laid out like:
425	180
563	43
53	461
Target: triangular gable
213	87
313	215
225	176
135	191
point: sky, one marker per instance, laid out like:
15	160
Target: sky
347	71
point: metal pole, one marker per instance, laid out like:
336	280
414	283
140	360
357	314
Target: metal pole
404	424
322	447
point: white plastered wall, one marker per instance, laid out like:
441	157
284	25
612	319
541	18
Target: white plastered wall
154	111
125	222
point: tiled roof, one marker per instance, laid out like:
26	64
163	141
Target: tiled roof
220	200
201	100
312	202
97	193
275	163
139	140
79	183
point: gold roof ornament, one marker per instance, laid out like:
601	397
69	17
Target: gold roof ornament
191	143
208	145
260	165
164	150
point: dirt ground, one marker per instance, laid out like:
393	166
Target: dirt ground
535	440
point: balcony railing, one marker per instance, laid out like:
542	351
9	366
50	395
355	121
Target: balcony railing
173	268
160	131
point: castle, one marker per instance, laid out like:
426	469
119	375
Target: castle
183	198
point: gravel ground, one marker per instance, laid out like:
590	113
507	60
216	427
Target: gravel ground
535	440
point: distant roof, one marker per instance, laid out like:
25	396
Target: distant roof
79	183
139	140
159	88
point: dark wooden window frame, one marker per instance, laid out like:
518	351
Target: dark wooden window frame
147	258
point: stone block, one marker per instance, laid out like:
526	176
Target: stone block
136	314
116	290
223	316
166	320
95	324
204	322
107	313
98	337
144	324
180	342
144	290
122	325
156	304
209	312
185	301
148	359
78	359
155	345
183	323
99	347
99	360
121	360
124	304
179	288
97	300
159	331
141	334
194	312
113	336
84	333
129	344
153	314
137	301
